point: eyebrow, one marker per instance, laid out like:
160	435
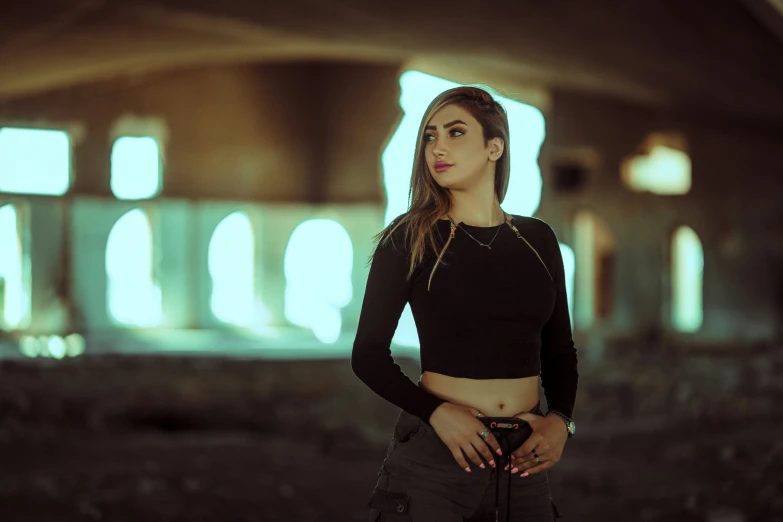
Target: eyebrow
447	125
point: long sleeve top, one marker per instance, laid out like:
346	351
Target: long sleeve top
487	313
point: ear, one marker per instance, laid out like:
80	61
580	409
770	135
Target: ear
496	147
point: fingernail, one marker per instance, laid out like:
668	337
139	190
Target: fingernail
499	452
514	470
492	463
482	466
467	469
506	468
525	474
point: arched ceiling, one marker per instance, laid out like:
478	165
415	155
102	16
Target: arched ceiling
718	57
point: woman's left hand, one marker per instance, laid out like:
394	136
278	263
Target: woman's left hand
548	439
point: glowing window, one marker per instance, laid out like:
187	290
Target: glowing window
526	135
687	280
34	161
132	295
232	268
594	246
318	265
135	168
663	168
569	267
14	296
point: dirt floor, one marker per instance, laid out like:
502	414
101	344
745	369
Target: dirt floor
164	468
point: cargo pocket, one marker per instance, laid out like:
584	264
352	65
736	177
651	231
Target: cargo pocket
408	429
388	505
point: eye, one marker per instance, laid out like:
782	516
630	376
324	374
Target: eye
427	136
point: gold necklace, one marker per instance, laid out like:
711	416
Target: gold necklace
510	224
488	245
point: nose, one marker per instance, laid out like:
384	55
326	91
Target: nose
438	150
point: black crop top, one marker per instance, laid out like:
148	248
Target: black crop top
489	313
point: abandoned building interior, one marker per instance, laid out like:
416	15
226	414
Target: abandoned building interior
188	192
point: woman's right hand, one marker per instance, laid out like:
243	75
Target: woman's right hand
459	428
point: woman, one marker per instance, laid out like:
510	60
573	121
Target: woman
487	292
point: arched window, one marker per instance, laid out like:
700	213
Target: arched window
595	252
14	293
232	268
318	265
132	294
569	267
687	280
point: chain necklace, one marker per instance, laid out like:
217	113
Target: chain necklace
488	245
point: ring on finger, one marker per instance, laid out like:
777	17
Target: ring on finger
538	460
484	433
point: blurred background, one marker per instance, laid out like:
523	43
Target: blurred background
188	191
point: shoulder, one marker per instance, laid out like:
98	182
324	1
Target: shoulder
393	235
540	234
536	226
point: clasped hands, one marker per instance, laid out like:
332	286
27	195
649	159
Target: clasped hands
459	428
547	442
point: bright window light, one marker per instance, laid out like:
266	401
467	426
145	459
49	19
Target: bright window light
135	168
594	247
569	268
584	233
687	280
318	264
34	161
232	269
664	170
133	297
14	297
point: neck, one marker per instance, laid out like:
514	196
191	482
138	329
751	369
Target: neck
474	212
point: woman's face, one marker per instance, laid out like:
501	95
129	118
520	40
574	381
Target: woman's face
453	136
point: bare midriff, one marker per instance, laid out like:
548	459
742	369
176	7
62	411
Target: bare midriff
492	397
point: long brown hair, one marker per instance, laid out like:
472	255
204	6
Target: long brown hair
429	201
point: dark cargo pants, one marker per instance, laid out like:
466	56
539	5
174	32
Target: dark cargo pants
420	481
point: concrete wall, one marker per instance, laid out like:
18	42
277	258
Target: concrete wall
280	132
734	207
305	139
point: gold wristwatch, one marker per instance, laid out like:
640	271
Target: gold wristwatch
570	426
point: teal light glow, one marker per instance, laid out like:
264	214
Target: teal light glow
52	346
232	269
56	346
687	280
15	297
132	295
135	168
317	265
569	267
34	161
